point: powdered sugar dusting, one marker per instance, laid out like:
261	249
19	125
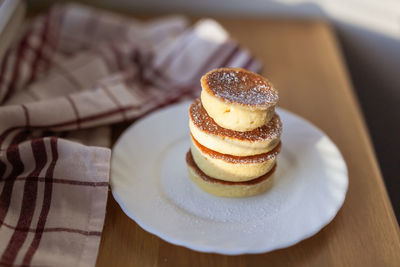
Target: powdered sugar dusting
234	85
199	116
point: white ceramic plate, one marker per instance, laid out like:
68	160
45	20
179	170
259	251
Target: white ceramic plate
149	180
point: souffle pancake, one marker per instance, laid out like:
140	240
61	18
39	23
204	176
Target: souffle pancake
232	168
223	188
238	99
235	134
211	135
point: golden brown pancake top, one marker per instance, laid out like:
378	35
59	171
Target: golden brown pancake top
240	86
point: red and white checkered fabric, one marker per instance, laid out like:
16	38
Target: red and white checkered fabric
70	74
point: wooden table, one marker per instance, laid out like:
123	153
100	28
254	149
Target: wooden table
304	62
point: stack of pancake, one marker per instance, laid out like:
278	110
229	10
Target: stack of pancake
235	133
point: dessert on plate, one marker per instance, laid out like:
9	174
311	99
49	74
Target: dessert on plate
235	133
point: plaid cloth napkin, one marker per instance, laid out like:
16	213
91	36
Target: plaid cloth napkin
70	74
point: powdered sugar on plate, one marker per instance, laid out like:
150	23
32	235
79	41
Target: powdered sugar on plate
183	193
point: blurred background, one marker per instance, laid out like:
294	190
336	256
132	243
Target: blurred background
369	35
